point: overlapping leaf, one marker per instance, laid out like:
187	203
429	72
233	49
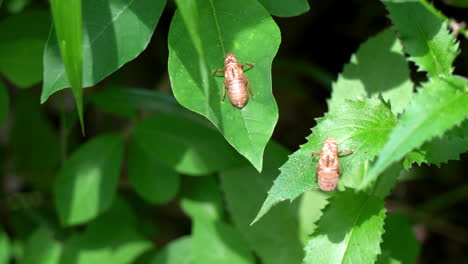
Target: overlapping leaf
285	8
378	67
185	145
178	251
4	247
202	198
361	126
349	231
22	45
425	37
245	190
201	34
86	185
42	248
438	106
114	32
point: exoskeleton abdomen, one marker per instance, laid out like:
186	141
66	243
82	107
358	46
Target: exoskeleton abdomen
238	93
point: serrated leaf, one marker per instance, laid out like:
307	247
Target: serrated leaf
202	198
425	37
185	145
4	248
215	242
310	210
201	34
378	67
349	231
399	240
178	251
36	154
244	190
153	180
68	29
439	105
87	183
285	8
42	248
107	240
4	104
22	45
441	150
361	126
114	32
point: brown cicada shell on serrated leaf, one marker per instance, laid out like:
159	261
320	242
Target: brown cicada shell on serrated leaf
235	81
328	167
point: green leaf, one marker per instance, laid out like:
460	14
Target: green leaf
349	231
22	44
153	181
217	242
378	67
202	198
201	34
34	144
361	126
5	248
68	27
438	106
4	104
111	238
178	251
285	8
186	145
386	259
274	239
42	248
441	150
457	3
399	240
86	185
114	32
310	210
425	37
16	6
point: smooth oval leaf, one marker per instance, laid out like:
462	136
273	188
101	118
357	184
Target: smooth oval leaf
362	126
4	104
68	28
114	32
22	45
202	198
378	67
201	34
288	8
86	185
350	230
438	106
4	247
42	248
215	242
185	145
153	180
425	37
275	238
178	251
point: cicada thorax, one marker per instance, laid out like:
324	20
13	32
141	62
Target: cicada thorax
328	168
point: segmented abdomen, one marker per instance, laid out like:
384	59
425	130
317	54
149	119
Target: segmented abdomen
327	178
238	93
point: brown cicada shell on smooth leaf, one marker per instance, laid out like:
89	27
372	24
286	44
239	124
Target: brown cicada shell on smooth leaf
235	81
328	167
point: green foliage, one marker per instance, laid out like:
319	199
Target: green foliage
36	253
68	27
348	230
217	242
153	180
426	38
438	106
4	104
399	241
21	46
86	185
5	247
109	40
203	198
285	8
244	190
179	251
201	34
378	68
361	126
